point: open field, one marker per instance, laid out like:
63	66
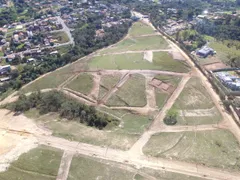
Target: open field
194	96
165	60
83	83
38	164
107	83
173	80
132	93
196	101
161	61
138	43
122	137
217	148
53	79
89	168
139	28
199	119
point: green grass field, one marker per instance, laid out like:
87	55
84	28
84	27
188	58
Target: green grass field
61	37
137	44
132	93
38	164
173	80
107	83
83	83
54	79
139	28
161	61
217	148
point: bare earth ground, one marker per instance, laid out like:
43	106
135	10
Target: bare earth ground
19	134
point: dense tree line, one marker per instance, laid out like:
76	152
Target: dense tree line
226	28
68	108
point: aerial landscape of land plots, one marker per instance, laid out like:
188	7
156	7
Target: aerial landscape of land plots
136	81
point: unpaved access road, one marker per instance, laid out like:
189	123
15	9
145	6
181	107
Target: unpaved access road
137	160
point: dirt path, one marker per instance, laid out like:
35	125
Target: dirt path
137	160
150	94
157	124
65	166
233	127
197	112
123	79
95	90
65	83
190	128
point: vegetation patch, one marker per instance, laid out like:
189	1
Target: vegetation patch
60	37
217	148
132	93
120	137
71	109
83	83
39	163
139	29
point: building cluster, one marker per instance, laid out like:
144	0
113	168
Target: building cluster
110	13
229	80
173	26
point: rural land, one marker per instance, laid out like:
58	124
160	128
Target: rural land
119	90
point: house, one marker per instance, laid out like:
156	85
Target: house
5	69
31	60
205	51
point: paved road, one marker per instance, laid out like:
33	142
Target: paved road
66	30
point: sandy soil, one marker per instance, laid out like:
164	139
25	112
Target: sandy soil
148	55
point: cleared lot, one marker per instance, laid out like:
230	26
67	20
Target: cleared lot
132	93
139	29
83	84
90	169
138	43
197	103
217	148
37	164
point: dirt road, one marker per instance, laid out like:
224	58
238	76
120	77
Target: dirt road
137	160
